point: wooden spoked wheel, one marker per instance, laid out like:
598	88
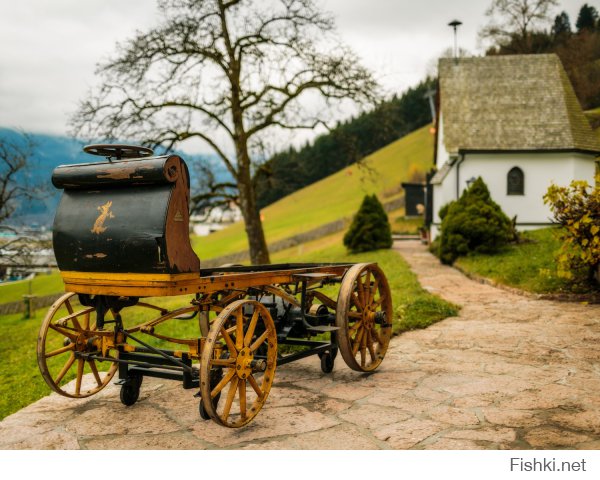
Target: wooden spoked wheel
364	317
242	343
67	334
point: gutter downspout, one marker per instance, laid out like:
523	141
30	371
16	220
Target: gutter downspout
461	158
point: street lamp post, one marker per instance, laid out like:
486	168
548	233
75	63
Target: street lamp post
455	24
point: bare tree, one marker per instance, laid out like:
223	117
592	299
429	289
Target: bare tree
515	20
15	153
225	72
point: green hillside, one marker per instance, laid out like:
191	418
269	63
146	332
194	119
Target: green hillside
334	197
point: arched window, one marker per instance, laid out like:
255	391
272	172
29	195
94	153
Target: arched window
515	182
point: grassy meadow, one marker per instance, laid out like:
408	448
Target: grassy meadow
529	265
331	198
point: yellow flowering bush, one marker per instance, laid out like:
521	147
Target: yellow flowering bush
577	209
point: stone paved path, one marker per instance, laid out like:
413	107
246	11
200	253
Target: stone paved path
510	372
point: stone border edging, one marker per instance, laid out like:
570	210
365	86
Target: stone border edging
38	302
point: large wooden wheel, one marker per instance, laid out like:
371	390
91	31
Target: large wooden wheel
242	343
68	332
364	317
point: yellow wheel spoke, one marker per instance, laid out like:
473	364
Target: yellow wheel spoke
367	288
95	372
65	369
355	326
357	341
58	351
354	298
378	302
375	334
67	332
355	315
242	386
363	348
363	356
360	291
370	346
229	342
254	384
224	381
239	331
259	341
375	286
80	365
251	328
230	396
69	307
86	321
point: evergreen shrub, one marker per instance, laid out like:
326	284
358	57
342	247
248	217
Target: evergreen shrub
370	228
473	223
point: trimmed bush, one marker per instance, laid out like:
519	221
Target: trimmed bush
473	223
370	228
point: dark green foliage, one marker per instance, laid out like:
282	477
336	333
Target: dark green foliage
562	25
443	211
370	229
587	18
288	171
473	223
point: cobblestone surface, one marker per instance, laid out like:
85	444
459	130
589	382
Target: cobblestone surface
510	372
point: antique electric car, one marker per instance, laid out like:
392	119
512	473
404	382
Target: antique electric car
121	240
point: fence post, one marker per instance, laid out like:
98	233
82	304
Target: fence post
29	310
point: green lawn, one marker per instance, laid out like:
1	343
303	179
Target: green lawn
40	285
22	383
334	197
414	307
530	265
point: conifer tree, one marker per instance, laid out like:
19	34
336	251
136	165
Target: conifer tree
473	223
370	228
587	18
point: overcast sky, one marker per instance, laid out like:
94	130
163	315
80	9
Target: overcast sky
49	48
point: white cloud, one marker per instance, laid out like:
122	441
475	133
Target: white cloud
50	48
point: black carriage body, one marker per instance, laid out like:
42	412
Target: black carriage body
126	216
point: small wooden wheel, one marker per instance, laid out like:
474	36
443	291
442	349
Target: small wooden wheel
243	343
66	335
364	317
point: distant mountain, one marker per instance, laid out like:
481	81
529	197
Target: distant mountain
53	150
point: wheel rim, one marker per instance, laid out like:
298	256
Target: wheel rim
241	344
364	317
67	332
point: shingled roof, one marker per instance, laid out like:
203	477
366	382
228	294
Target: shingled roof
512	102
